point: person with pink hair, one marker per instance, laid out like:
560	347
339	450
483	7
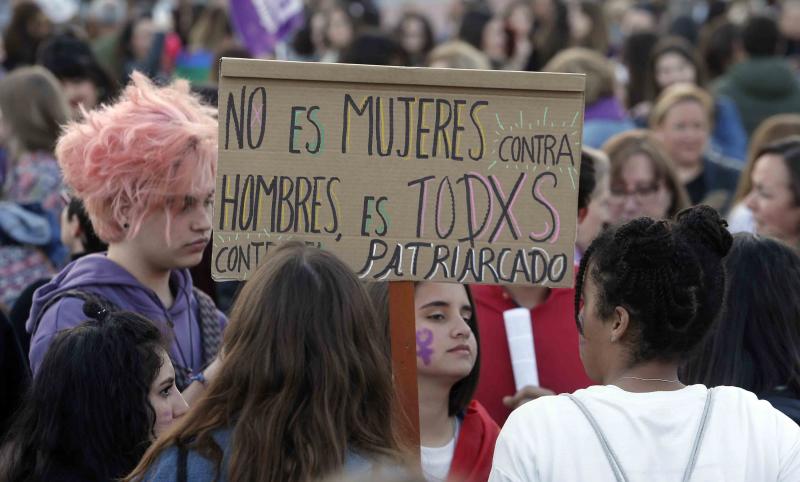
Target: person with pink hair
145	169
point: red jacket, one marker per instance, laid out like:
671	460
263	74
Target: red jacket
555	339
472	460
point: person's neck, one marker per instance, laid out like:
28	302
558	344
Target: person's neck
436	426
689	172
528	296
652	376
153	278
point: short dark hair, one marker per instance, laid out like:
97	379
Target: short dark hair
761	325
760	36
668	275
789	150
88	405
91	243
472	24
717	44
587	181
70	58
374	48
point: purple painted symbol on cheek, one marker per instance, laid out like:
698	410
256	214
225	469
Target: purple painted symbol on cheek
424	342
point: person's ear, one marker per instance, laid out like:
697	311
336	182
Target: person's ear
582	213
620	321
125	216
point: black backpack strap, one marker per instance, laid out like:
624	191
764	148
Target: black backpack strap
75	293
182	469
210	331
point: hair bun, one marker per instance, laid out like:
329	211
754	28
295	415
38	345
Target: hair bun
646	243
94	310
703	225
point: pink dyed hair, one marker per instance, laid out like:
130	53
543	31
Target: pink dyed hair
129	158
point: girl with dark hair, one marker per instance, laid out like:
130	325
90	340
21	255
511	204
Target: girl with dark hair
29	26
304	386
415	34
588	26
761	326
647	293
105	391
457	434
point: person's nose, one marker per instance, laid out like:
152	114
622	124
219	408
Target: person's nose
179	406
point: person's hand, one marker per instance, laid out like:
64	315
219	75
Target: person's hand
211	370
526	394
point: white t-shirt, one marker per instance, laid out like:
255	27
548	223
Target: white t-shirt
549	439
436	460
740	220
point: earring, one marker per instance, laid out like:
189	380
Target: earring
126	225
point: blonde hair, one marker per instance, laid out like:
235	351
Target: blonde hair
600	81
676	94
459	55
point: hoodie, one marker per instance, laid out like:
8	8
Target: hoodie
761	87
98	275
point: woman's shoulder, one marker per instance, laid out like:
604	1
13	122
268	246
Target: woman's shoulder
198	467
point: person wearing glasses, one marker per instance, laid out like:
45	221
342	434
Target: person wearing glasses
643	179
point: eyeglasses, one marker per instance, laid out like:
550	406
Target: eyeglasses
640	193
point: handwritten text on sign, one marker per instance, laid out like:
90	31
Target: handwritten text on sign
465	177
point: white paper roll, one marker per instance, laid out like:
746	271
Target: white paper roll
520	345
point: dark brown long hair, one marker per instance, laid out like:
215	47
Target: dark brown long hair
305	378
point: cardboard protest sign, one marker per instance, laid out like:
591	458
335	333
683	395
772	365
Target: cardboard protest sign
414	174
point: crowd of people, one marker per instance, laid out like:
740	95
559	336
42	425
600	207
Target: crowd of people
676	353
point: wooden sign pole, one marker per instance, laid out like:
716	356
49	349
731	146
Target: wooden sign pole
404	359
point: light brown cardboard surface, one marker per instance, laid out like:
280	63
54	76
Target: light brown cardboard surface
316	182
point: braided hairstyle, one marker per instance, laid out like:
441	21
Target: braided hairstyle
668	275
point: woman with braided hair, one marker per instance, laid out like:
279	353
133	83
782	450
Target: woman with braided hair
647	292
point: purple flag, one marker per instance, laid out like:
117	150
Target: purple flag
263	23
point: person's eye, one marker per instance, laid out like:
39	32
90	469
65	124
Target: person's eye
165	392
436	316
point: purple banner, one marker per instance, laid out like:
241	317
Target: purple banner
261	24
